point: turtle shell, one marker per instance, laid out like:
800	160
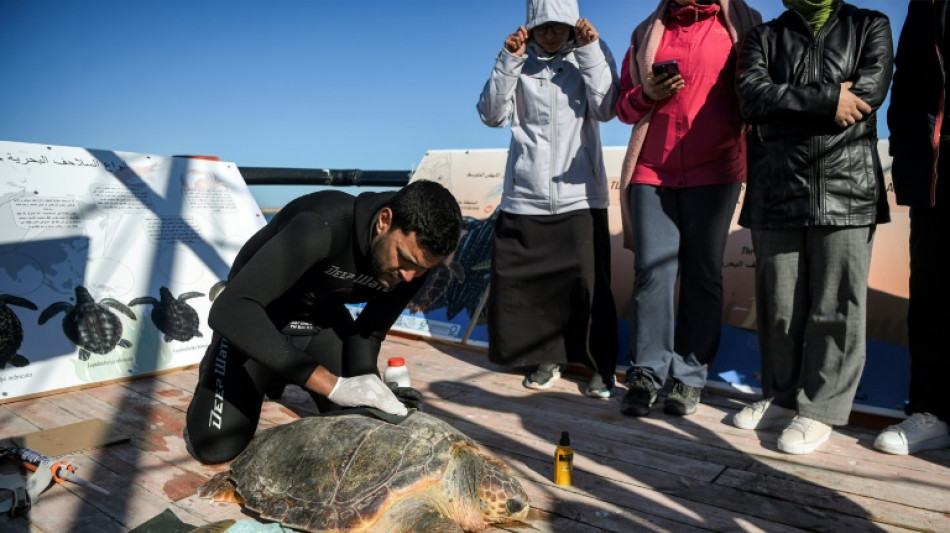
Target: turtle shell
175	318
93	327
11	330
357	468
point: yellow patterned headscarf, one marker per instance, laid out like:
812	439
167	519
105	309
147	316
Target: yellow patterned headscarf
816	12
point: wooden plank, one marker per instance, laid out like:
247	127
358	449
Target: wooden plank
916	517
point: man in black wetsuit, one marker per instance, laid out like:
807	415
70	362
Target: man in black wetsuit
282	317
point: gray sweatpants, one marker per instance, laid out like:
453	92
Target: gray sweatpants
811	295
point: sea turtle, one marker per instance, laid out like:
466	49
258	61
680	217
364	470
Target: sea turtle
11	330
91	326
172	316
358	473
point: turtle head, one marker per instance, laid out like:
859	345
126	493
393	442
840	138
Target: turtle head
500	496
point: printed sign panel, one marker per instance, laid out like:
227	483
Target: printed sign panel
109	261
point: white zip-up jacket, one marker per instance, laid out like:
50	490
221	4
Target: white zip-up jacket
553	102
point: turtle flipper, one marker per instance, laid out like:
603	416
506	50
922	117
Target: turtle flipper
18	361
411	516
143	300
16	300
184	296
83	354
51	311
125	343
118	306
220	488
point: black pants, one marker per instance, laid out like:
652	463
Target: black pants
550	298
226	406
928	314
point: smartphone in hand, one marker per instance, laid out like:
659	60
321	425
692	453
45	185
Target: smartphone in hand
664	69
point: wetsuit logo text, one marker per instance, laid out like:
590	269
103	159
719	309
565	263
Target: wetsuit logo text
359	279
220	365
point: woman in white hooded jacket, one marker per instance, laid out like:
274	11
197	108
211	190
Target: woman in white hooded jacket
550	299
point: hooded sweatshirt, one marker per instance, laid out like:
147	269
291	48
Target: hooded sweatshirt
553	103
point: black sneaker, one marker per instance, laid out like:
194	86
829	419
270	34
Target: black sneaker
641	394
542	378
682	400
597	388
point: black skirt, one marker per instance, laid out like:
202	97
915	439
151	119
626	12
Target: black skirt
550	298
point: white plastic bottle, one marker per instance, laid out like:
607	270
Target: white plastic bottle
396	371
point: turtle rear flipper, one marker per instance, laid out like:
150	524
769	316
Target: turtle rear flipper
16	360
125	344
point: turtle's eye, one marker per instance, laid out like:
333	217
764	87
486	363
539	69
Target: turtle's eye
515	506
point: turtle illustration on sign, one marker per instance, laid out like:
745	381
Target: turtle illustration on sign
11	331
172	316
91	325
460	283
358	473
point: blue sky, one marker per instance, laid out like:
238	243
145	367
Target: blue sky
368	84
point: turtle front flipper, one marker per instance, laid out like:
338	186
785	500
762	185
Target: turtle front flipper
51	311
220	488
125	343
412	515
118	306
184	296
16	300
143	300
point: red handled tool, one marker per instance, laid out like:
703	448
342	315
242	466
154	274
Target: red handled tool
60	469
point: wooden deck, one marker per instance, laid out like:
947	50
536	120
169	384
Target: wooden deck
659	473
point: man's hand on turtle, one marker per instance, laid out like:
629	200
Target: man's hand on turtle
366	391
409	396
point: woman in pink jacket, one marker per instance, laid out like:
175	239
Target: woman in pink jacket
681	177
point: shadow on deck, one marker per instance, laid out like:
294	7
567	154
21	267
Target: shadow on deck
658	473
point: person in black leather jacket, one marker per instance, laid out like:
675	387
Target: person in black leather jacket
919	140
810	83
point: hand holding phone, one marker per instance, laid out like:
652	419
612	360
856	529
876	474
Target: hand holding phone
666	69
664	82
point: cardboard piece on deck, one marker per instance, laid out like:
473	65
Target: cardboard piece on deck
72	438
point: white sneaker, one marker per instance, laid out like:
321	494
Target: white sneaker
763	415
919	432
803	435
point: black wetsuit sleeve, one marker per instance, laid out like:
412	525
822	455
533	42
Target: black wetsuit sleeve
240	312
376	319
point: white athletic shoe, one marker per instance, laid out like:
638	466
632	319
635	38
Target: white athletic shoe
919	432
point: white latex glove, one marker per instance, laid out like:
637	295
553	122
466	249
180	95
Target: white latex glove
366	391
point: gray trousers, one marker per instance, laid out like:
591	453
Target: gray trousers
678	233
811	306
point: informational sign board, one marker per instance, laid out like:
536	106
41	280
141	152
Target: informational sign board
108	261
451	305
